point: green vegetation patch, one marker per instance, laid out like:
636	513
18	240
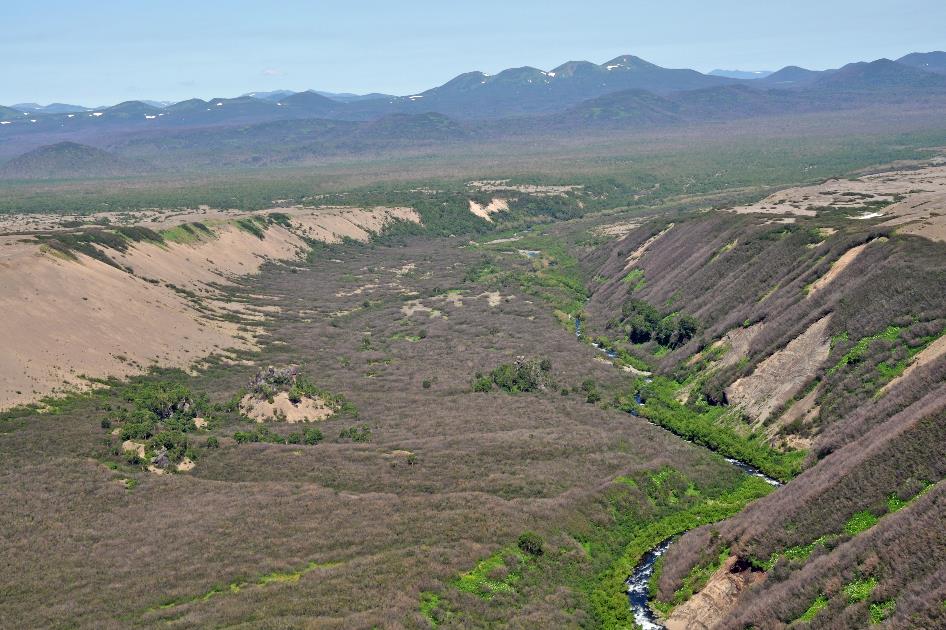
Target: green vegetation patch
878	612
640	322
236	586
860	348
820	603
252	225
859	590
606	591
860	522
187	233
523	376
555	275
705	426
492	575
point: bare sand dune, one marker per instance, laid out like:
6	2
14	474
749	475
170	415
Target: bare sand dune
69	320
63	319
914	200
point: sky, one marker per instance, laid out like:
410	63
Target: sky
106	51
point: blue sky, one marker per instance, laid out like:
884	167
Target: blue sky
106	51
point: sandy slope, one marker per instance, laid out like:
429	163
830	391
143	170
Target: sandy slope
780	376
68	319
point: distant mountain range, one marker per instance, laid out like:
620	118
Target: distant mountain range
741	74
626	92
473	95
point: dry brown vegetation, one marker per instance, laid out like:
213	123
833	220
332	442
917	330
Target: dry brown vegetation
485	468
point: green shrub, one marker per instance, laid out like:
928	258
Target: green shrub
482	383
523	376
312	436
212	442
879	611
356	434
531	543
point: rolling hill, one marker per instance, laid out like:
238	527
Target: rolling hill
66	160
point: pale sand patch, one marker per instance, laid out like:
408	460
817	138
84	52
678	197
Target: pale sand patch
638	253
129	446
707	607
416	306
333	224
365	288
779	377
400	453
234	252
154	469
306	410
805	410
738	340
511	239
494	185
917	199
495	205
619	230
494	298
839	266
187	464
200	423
927	355
405	269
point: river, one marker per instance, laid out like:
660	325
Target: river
638	591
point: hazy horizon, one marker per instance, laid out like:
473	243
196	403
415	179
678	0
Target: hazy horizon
111	52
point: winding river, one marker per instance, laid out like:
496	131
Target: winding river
638	587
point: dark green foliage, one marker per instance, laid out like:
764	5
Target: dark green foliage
138	233
158	408
523	376
641	322
311	436
212	442
280	218
356	433
253	225
590	388
531	543
174	443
